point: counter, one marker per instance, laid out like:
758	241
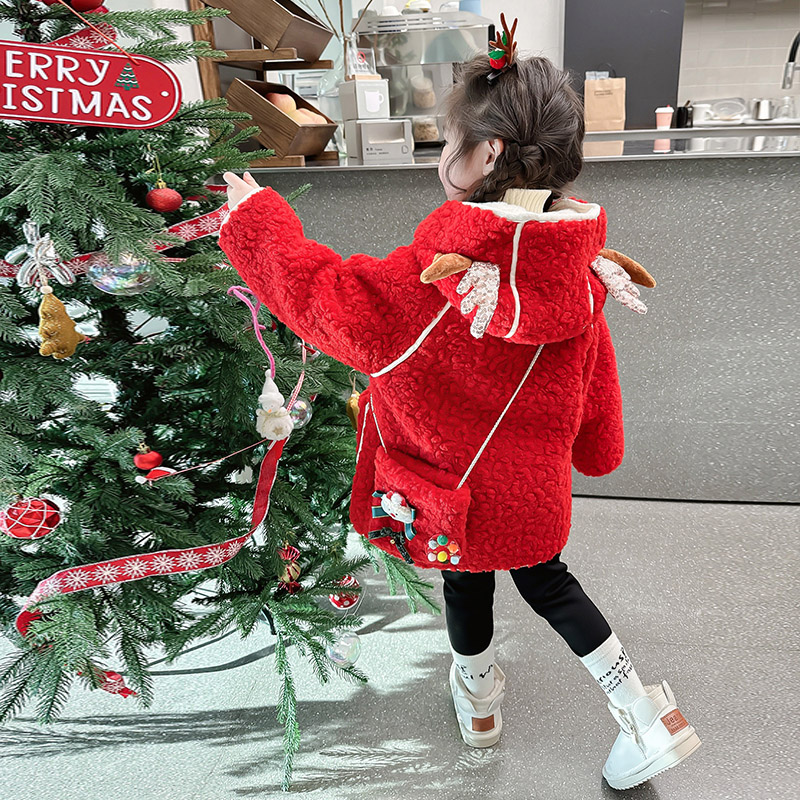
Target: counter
711	374
729	141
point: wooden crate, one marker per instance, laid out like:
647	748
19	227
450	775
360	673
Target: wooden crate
278	130
278	24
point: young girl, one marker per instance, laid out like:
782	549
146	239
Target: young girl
492	374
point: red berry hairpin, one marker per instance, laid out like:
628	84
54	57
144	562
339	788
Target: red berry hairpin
502	50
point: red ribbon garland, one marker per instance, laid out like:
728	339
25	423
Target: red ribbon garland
163	562
189	230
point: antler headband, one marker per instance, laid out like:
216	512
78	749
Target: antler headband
502	50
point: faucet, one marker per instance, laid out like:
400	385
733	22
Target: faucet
791	66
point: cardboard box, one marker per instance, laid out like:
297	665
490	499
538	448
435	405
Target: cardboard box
278	130
364	99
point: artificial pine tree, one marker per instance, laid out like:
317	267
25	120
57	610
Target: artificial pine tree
187	372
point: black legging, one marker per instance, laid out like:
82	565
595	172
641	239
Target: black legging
548	588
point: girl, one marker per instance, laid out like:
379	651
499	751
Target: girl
492	373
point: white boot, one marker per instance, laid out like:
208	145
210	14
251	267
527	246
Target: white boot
479	719
653	737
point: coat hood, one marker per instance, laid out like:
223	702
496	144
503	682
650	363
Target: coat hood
517	274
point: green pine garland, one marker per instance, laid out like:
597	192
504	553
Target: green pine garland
189	390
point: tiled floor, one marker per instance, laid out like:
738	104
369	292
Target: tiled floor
703	595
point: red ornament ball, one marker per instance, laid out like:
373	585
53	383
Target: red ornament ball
343	599
86	5
100	10
30	518
164	199
149	459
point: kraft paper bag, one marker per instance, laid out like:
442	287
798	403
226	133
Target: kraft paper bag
604	110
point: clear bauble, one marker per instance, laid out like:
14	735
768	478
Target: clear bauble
345	650
301	412
129	277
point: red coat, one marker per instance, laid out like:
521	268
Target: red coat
439	402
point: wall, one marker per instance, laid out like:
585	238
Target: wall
711	374
737	48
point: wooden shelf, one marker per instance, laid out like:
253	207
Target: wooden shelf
259	54
255	61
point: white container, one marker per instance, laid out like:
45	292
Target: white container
364	99
379	141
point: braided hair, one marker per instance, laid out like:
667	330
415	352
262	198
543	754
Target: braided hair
533	108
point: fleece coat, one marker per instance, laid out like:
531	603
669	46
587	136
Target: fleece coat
437	391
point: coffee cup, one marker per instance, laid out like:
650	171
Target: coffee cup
664	117
701	112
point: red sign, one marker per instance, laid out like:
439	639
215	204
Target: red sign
46	83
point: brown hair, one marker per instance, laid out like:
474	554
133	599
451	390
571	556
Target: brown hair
533	108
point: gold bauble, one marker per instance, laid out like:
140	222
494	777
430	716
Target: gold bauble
352	409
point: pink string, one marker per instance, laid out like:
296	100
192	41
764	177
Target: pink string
240	292
209	463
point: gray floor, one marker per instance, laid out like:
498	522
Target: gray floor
703	595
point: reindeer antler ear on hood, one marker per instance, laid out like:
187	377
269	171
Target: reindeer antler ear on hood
444	265
637	272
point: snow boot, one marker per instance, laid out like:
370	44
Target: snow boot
479	719
653	737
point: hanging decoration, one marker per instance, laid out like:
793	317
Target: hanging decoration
351	406
301	412
131	276
345	650
70	86
291	569
272	419
37	255
30	518
189	230
147	458
56	329
344	599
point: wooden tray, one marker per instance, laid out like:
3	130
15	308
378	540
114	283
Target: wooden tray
278	24
278	130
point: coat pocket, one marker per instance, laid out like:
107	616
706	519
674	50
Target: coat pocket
418	511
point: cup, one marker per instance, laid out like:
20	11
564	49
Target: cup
683	117
701	113
786	108
664	117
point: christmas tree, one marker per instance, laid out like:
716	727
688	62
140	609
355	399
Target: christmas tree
185	370
127	78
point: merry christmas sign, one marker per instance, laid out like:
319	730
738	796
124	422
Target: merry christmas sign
45	83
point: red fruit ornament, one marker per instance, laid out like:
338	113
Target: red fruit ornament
163	199
147	458
86	5
30	518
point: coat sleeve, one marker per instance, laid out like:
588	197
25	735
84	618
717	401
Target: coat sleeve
349	309
600	443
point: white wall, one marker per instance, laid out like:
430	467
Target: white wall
737	48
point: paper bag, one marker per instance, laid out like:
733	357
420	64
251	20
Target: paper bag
604	110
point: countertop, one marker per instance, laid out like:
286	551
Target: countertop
761	140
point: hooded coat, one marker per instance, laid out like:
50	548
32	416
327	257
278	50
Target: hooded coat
440	382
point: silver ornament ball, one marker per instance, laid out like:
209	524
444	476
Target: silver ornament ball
301	412
130	277
345	650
